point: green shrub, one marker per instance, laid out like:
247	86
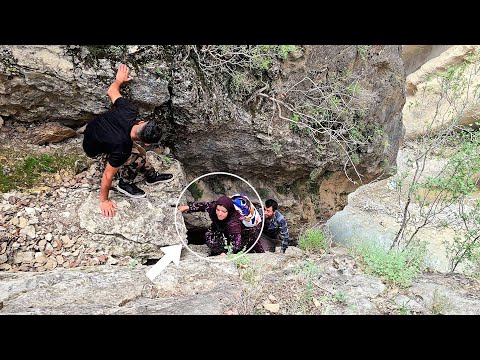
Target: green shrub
395	266
195	190
313	240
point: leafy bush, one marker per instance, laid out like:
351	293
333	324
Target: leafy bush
313	240
396	266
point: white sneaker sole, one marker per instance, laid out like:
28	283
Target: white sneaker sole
130	195
160	181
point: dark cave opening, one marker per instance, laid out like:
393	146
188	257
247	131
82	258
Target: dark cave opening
196	236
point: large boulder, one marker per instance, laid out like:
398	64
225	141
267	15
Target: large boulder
149	220
414	56
436	99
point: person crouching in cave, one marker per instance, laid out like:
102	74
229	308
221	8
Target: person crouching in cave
226	227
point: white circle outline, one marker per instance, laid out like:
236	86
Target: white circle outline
176	211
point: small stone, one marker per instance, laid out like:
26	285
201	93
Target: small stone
51	264
22	222
67	242
272	298
111	261
15	221
3	247
23	267
5	267
59	259
41	259
274	308
48	236
29	231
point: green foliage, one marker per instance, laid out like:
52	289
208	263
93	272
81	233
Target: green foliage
309	271
341	297
313	187
164	73
453	79
250	275
474	264
167	160
26	172
294	122
356	134
363	51
238	58
313	240
457	180
320	108
466	244
241	84
239	259
355	158
264	193
354	88
440	303
362	133
284	50
395	266
284	189
195	190
404	310
277	148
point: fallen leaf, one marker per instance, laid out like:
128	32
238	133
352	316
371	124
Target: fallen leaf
271	307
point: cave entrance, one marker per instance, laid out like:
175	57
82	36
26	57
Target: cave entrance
196	236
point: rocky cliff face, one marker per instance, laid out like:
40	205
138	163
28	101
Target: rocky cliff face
210	127
414	56
436	99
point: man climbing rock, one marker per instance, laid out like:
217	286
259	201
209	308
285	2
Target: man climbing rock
117	135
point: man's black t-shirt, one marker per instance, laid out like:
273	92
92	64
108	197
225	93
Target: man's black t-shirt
109	133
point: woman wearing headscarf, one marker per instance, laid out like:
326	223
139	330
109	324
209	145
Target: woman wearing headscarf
226	225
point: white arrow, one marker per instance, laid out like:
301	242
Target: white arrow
172	253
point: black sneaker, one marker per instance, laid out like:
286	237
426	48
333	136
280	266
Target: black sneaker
130	189
154	177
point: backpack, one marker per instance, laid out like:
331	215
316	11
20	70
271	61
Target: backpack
248	213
